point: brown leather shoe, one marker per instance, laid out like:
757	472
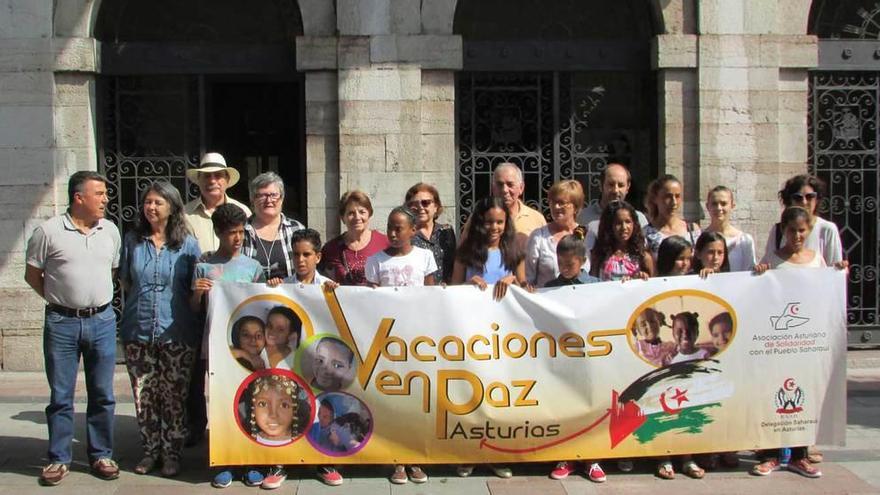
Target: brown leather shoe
53	474
106	469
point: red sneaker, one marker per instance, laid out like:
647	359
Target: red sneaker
804	467
595	473
330	476
562	470
766	467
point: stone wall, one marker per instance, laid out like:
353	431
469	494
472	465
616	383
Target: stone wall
380	113
753	60
380	105
29	163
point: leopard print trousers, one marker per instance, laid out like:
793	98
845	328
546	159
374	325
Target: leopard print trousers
160	373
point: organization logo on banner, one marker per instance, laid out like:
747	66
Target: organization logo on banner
790	317
789	398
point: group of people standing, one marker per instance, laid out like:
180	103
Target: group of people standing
169	261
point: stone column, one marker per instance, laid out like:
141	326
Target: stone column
753	103
316	58
675	59
396	103
46	133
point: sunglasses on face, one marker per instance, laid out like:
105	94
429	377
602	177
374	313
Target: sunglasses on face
799	197
424	203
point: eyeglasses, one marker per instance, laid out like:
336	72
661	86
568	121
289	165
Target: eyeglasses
424	203
800	197
267	196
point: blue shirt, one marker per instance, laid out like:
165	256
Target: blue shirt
157	301
321	435
493	271
240	269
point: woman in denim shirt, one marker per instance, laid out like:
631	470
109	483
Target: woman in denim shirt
158	326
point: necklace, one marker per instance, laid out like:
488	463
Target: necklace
268	254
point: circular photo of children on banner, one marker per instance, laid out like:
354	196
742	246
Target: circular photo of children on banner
274	408
343	425
327	363
266	331
681	326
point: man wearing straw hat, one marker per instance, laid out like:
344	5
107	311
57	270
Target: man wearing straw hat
213	178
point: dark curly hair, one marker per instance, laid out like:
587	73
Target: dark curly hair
474	252
795	184
227	216
691	323
606	243
308	235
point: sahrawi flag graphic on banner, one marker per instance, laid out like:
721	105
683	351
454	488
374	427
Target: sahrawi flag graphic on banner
679	398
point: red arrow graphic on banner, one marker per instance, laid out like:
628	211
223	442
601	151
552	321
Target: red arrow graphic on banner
486	444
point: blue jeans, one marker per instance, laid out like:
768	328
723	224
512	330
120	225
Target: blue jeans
64	340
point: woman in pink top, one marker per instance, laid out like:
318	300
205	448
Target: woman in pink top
344	258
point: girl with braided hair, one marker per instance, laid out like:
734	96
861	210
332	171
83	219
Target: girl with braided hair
273	418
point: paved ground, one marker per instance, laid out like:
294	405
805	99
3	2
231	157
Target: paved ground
852	469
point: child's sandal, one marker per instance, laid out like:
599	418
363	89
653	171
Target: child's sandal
665	471
692	470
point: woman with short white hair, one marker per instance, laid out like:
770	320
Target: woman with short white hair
268	232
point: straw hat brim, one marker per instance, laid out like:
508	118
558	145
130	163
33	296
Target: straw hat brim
193	173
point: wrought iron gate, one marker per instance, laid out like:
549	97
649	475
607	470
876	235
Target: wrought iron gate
844	145
553	125
151	131
844	150
156	127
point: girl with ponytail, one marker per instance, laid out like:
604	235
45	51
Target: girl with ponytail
571	256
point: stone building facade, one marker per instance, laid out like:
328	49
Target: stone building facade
380	94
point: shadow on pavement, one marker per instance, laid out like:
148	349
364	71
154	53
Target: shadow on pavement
26	454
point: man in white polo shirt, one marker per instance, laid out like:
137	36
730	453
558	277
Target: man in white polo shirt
71	263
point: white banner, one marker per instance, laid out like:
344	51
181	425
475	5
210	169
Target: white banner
448	375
